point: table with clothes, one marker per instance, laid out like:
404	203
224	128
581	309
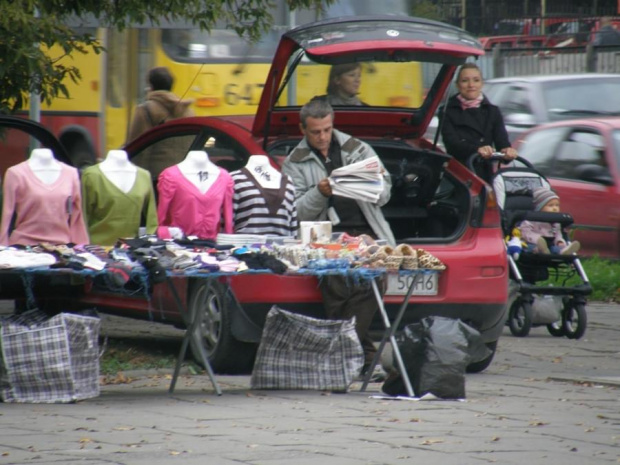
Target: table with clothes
198	222
135	265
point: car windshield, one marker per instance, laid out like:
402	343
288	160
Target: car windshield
574	98
367	83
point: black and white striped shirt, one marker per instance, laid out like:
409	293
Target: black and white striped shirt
258	210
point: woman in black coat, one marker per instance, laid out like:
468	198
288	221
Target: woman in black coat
471	123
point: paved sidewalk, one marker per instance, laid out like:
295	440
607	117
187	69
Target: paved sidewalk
544	400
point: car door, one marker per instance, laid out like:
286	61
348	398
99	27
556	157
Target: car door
594	205
562	155
227	144
18	136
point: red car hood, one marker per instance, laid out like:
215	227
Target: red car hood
385	39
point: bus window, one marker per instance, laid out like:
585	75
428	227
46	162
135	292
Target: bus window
217	46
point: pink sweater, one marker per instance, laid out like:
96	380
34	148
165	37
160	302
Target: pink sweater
44	212
182	205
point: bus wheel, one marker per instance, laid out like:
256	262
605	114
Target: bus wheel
214	334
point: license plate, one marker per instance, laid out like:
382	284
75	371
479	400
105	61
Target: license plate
425	284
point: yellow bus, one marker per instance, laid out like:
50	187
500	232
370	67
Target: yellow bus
222	73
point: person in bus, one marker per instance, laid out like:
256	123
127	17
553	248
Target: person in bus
343	84
471	124
161	105
321	150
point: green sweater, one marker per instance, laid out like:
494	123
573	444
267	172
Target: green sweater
111	213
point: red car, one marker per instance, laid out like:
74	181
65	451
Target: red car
436	203
581	160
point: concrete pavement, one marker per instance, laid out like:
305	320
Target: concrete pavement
544	400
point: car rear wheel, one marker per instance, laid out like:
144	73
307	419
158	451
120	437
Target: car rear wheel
482	365
520	318
225	353
574	320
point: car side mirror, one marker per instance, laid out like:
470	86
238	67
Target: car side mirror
594	173
520	119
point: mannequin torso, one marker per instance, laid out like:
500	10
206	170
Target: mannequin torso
262	171
119	170
44	166
199	170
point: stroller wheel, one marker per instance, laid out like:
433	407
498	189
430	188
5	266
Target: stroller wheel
574	320
556	329
520	318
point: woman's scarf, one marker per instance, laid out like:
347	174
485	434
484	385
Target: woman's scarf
467	104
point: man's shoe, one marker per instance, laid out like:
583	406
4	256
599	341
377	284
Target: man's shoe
378	375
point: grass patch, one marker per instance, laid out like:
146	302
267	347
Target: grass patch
124	355
604	277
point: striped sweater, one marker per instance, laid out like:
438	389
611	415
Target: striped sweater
257	210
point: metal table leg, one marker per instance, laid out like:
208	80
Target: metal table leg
388	334
190	332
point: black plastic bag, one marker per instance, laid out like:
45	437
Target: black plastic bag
436	352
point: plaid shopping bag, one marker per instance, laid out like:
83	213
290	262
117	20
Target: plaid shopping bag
47	360
300	352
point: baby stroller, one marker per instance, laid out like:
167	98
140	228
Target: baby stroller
538	280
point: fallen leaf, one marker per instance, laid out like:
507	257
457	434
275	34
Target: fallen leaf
429	442
537	423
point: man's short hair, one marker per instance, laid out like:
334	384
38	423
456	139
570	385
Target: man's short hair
316	108
160	79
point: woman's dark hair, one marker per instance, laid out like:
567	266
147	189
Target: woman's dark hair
337	71
467	66
160	79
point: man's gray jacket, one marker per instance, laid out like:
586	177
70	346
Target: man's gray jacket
307	170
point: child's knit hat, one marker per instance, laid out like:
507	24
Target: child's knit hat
542	196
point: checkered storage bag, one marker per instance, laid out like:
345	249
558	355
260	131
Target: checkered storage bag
300	352
46	360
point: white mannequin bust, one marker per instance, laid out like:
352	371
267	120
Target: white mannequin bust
44	165
199	170
119	170
265	174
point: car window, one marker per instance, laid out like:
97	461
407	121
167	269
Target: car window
516	100
580	148
495	92
539	146
164	152
575	98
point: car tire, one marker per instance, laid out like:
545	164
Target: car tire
520	318
482	365
574	320
225	353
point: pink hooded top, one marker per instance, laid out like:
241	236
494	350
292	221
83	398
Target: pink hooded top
182	205
43	212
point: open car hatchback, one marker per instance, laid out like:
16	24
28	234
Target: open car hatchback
436	203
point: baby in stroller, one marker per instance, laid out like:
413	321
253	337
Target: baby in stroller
548	269
543	237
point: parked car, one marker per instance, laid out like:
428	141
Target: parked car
527	101
436	204
581	159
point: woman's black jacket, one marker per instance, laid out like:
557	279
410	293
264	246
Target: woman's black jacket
464	131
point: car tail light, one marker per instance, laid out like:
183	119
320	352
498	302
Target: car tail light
486	212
